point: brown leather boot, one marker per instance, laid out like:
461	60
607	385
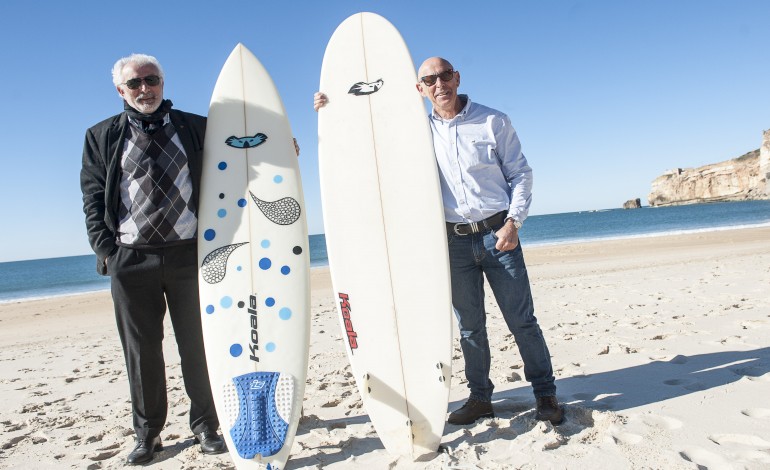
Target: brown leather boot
471	411
548	409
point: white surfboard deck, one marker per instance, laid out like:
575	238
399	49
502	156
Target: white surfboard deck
385	233
254	265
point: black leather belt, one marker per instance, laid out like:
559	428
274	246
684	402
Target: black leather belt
476	227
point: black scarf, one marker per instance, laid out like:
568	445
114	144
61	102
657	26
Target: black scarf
149	123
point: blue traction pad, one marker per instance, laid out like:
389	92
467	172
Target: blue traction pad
262	402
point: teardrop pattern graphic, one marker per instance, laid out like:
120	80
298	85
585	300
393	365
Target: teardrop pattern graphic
214	266
284	211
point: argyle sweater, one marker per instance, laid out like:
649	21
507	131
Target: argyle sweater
155	189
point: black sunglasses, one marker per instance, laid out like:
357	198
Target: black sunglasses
445	76
150	80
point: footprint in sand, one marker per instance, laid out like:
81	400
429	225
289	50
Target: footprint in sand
691	385
663	422
331	404
705	459
11	426
625	438
732	340
752	324
740	439
754	373
13	441
760	413
104	455
95	438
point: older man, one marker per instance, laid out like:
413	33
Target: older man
486	188
140	177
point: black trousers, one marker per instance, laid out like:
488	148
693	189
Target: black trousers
144	283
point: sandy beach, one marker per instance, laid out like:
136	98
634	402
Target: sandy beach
661	348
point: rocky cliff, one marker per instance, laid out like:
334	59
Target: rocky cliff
743	178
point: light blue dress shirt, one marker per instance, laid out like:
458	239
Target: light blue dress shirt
481	166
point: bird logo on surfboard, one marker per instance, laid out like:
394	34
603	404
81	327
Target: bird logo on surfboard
365	88
246	142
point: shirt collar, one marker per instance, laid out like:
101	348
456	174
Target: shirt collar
463	112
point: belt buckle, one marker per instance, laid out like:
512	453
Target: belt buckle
456	229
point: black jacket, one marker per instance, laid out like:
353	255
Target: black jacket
101	172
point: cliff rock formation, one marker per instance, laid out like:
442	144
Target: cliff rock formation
743	178
632	204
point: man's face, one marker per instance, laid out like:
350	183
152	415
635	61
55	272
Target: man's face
145	98
442	93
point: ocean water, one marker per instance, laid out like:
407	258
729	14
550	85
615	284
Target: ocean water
20	280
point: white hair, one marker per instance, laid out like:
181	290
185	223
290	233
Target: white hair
137	59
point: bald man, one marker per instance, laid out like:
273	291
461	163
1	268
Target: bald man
486	187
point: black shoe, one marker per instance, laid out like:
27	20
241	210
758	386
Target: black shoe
471	411
143	451
211	442
548	409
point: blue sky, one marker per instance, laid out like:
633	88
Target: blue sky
605	95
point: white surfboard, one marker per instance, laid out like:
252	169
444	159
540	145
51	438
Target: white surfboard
254	265
385	233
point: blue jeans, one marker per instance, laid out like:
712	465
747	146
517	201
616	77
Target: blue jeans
470	258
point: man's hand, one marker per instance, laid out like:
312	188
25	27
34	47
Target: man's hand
507	236
319	100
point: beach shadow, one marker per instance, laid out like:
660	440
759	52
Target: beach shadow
309	422
355	446
615	390
172	451
334	453
656	381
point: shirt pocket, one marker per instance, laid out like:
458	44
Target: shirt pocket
483	147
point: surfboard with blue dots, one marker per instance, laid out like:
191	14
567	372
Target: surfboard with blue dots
253	265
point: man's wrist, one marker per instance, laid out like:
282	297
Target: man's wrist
516	223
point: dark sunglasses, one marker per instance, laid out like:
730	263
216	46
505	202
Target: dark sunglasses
445	76
150	80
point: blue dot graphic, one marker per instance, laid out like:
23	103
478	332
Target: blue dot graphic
285	270
265	263
265	243
241	202
209	309
239	268
209	234
222	165
269	301
226	302
236	350
222	213
270	347
284	313
278	179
